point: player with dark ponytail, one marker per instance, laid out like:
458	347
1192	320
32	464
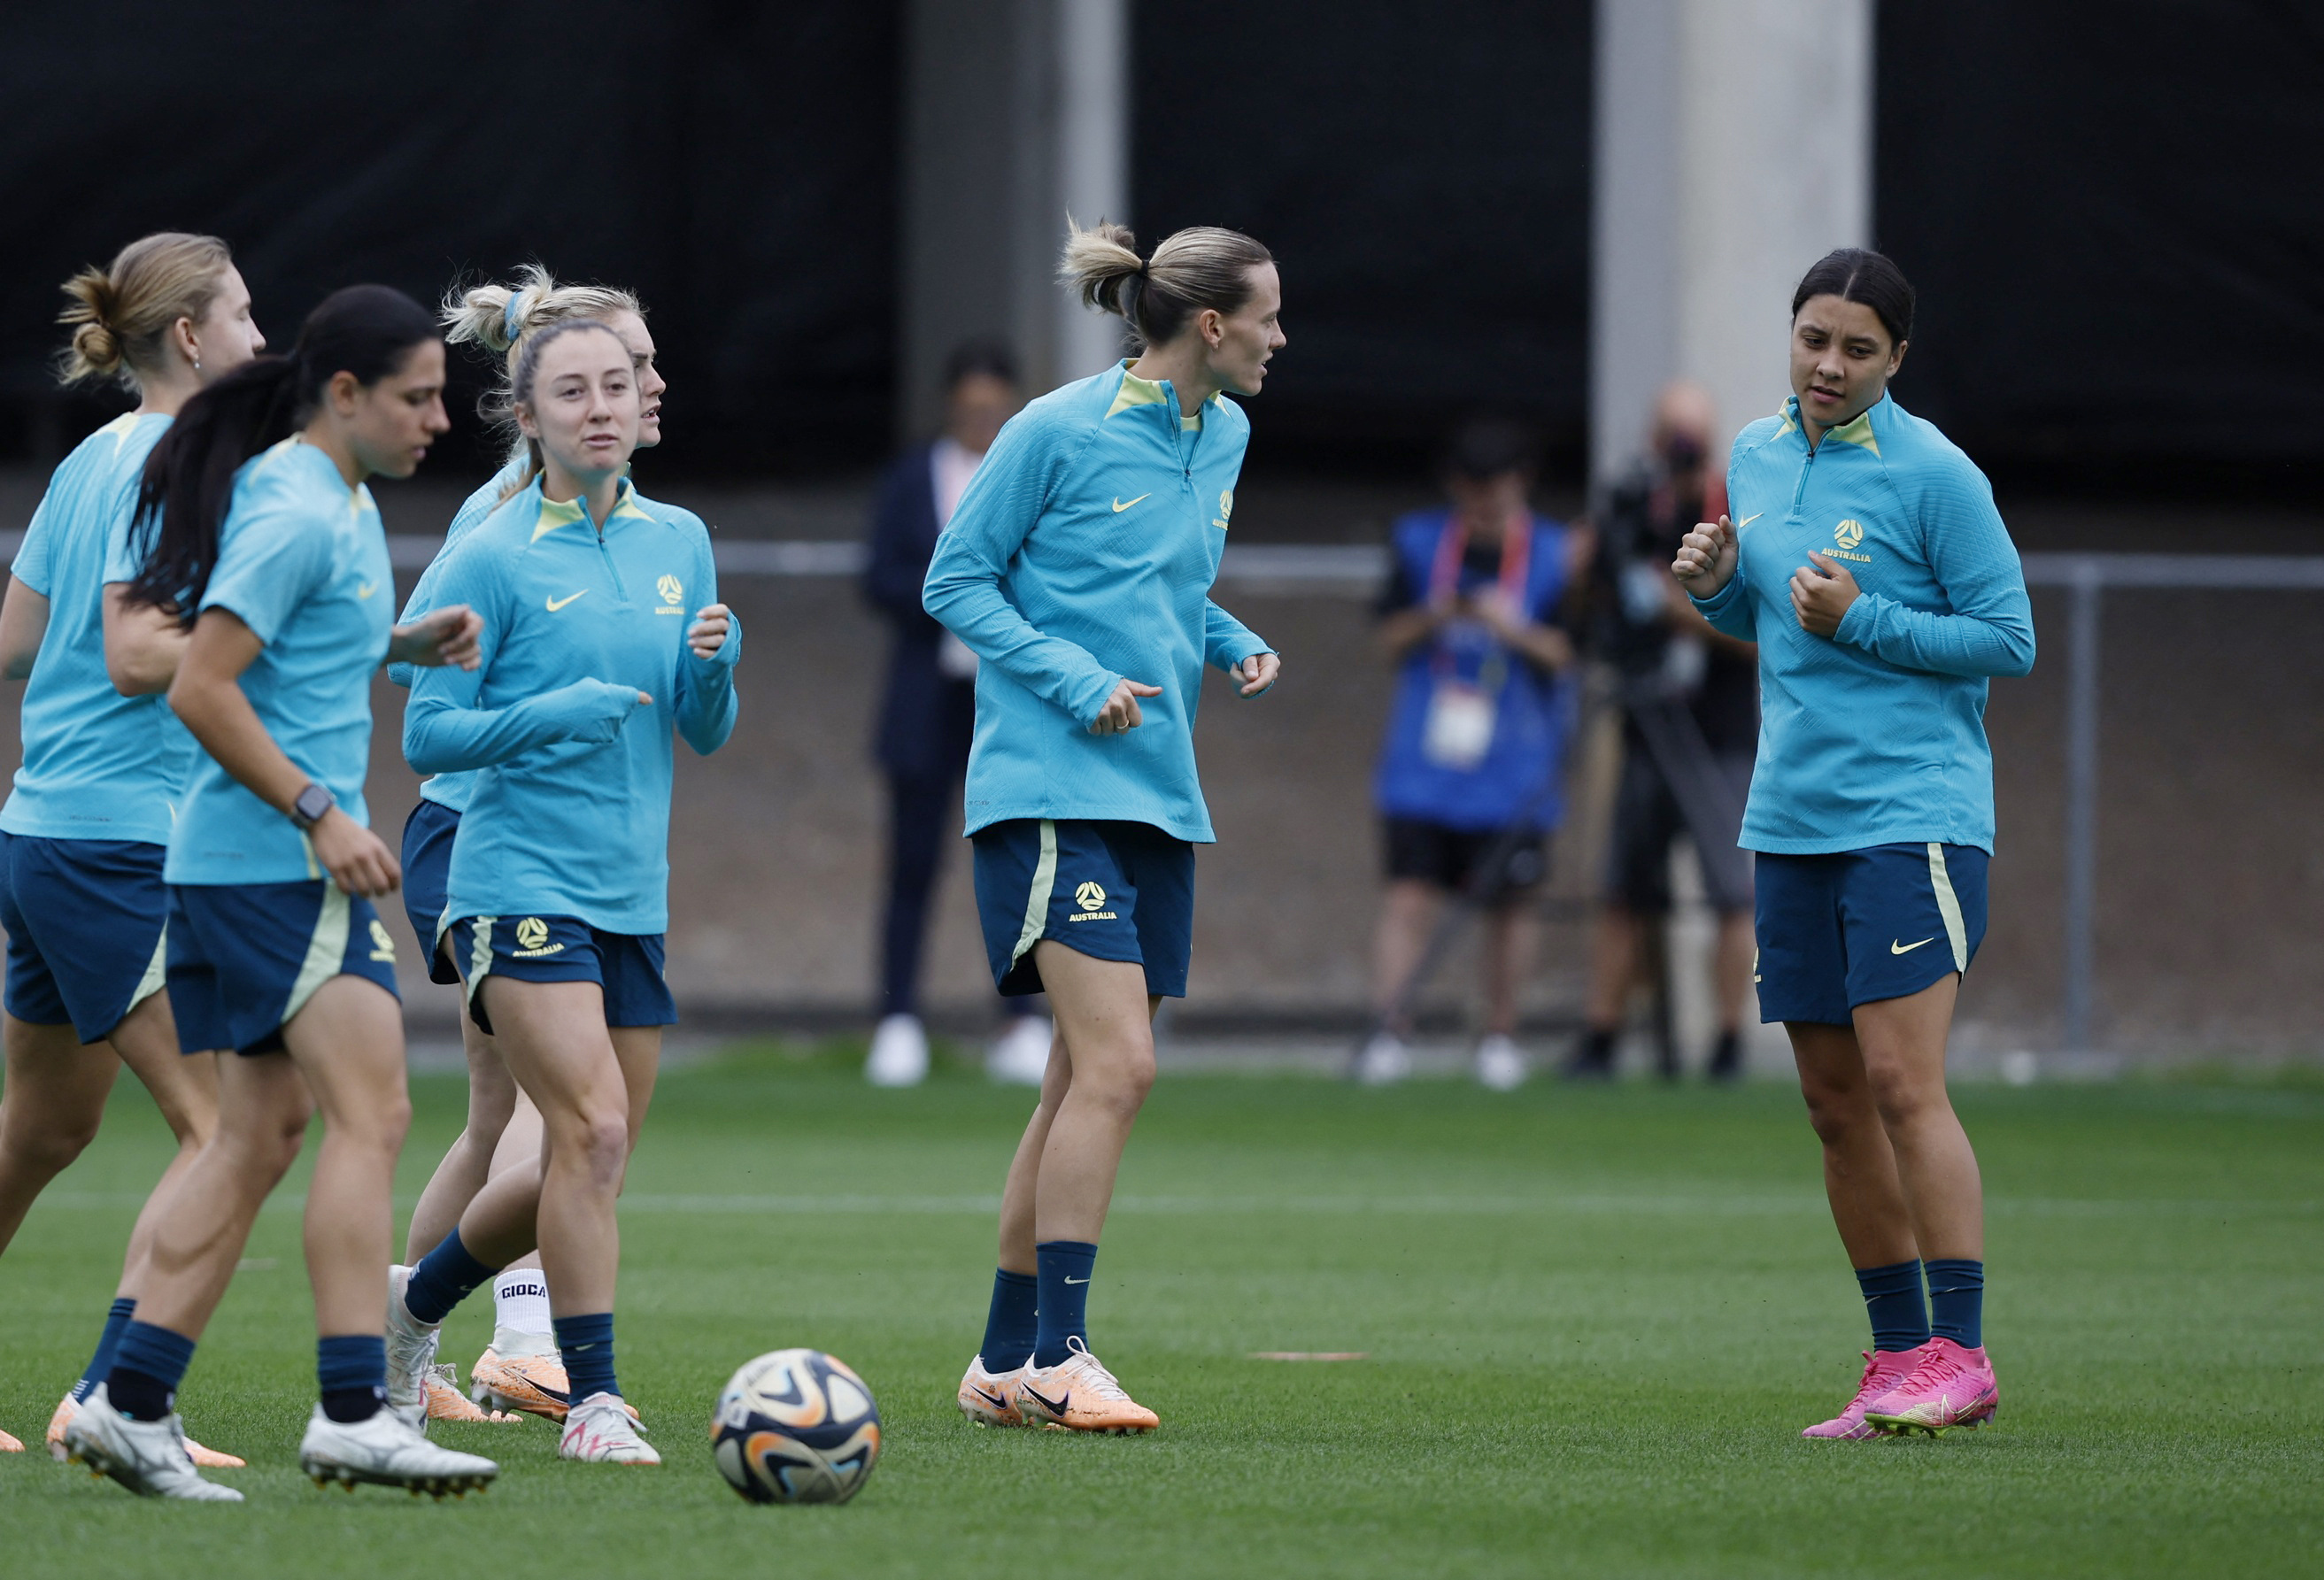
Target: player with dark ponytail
1866	558
1077	568
264	541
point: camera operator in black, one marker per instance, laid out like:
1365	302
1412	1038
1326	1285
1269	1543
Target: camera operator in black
1690	730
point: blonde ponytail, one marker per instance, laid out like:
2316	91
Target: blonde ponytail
1203	266
121	315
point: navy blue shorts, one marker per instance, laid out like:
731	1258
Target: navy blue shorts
427	874
1114	891
1859	926
84	919
625	966
245	957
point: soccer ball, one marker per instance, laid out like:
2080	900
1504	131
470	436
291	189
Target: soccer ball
796	1426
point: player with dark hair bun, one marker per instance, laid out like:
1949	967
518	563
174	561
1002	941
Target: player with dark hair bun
1865	556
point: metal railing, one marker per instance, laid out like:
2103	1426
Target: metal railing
1355	570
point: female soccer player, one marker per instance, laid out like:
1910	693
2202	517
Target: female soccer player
270	547
559	879
1884	591
83	833
1076	568
519	1369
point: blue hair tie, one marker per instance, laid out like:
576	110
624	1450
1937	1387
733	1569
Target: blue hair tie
509	316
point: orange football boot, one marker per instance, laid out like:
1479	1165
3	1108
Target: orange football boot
1078	1394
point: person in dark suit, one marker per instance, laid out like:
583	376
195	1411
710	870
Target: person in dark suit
927	713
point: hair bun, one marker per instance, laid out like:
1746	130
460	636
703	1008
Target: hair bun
95	344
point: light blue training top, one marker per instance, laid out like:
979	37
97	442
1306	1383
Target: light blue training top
452	790
303	562
1083	551
98	765
1874	736
570	814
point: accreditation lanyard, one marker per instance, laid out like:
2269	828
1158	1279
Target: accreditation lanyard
1458	731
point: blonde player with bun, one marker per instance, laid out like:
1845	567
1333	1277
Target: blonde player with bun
1077	568
83	833
520	1370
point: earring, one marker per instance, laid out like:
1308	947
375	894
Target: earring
197	364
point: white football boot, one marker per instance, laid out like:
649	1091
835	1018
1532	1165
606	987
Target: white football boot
989	1399
899	1052
411	1352
148	1458
1385	1060
600	1430
1019	1056
1500	1068
389	1451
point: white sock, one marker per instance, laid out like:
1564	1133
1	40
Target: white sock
520	1320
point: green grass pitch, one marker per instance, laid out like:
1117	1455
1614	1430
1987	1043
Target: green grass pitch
1596	1320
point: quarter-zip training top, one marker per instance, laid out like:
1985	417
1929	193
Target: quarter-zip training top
1876	735
1082	553
570	816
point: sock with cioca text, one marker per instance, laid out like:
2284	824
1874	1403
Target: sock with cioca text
521	1325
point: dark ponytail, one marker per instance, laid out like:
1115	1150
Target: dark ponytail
365	330
1854	274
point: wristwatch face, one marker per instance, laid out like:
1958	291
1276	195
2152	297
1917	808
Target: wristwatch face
313	801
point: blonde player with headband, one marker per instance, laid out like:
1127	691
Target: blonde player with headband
520	1370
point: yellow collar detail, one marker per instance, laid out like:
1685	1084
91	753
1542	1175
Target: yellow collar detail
1134	391
556	513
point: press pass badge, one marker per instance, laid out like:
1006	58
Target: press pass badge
1459	729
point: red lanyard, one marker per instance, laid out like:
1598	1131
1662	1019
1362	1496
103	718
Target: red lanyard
1445	581
1517	562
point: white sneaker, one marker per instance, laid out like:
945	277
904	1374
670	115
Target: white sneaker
411	1352
599	1429
148	1458
1500	1065
1019	1056
389	1451
1386	1060
899	1052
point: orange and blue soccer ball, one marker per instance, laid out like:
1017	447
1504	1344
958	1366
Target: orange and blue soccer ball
796	1426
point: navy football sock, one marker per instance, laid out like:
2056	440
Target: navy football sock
1957	1300
100	1365
352	1369
1010	1327
445	1277
587	1343
1064	1312
1892	1295
148	1364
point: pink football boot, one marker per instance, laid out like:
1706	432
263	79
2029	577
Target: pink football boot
1951	1387
1883	1370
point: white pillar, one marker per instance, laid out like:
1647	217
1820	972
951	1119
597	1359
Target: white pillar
1734	148
1016	113
1093	164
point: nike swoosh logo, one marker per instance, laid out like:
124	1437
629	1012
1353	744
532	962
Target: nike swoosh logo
1895	948
1119	507
556	604
994	1399
1054	1406
1074	1280
365	591
1746	520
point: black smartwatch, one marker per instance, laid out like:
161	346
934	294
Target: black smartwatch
312	802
